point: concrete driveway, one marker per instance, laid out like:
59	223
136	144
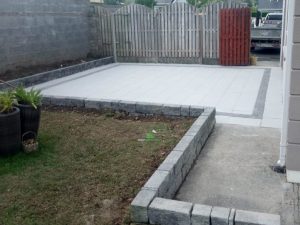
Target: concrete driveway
241	95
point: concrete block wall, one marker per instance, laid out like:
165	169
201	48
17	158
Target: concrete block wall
35	32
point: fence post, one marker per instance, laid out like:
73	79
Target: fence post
114	37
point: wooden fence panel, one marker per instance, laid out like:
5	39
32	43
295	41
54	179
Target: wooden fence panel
235	36
172	34
101	43
211	28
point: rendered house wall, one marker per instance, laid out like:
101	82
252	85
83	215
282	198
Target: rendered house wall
292	88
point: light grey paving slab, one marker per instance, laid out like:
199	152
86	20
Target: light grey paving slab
225	88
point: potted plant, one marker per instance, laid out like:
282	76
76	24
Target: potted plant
29	103
10	125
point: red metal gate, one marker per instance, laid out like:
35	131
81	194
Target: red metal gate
235	36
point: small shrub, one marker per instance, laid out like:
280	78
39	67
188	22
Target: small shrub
6	102
32	97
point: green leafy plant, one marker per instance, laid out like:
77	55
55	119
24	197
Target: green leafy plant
32	97
6	102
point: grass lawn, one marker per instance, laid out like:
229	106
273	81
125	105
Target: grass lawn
88	169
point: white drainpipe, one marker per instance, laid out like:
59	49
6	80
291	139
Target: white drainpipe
287	65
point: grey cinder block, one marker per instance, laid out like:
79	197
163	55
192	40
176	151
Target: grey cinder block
231	217
201	120
220	216
114	105
127	106
201	214
46	100
196	111
185	110
171	110
254	218
169	167
175	183
105	104
140	204
149	108
209	111
66	101
169	212
194	129
159	181
92	104
174	158
185	142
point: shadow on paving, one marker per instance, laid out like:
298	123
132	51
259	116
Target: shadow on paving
233	170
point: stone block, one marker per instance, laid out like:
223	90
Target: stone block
185	142
171	110
69	102
169	212
149	108
46	100
174	158
209	111
189	159
196	111
201	214
105	104
185	110
175	183
193	131
231	217
140	204
254	218
159	181
127	106
92	104
114	105
220	216
169	167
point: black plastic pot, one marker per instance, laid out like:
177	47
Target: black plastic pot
30	120
10	133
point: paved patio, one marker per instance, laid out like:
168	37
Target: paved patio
241	95
233	169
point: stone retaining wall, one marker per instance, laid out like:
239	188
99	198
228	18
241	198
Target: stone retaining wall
58	73
136	108
171	212
154	204
168	178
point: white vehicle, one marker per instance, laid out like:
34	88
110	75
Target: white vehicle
273	20
268	35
